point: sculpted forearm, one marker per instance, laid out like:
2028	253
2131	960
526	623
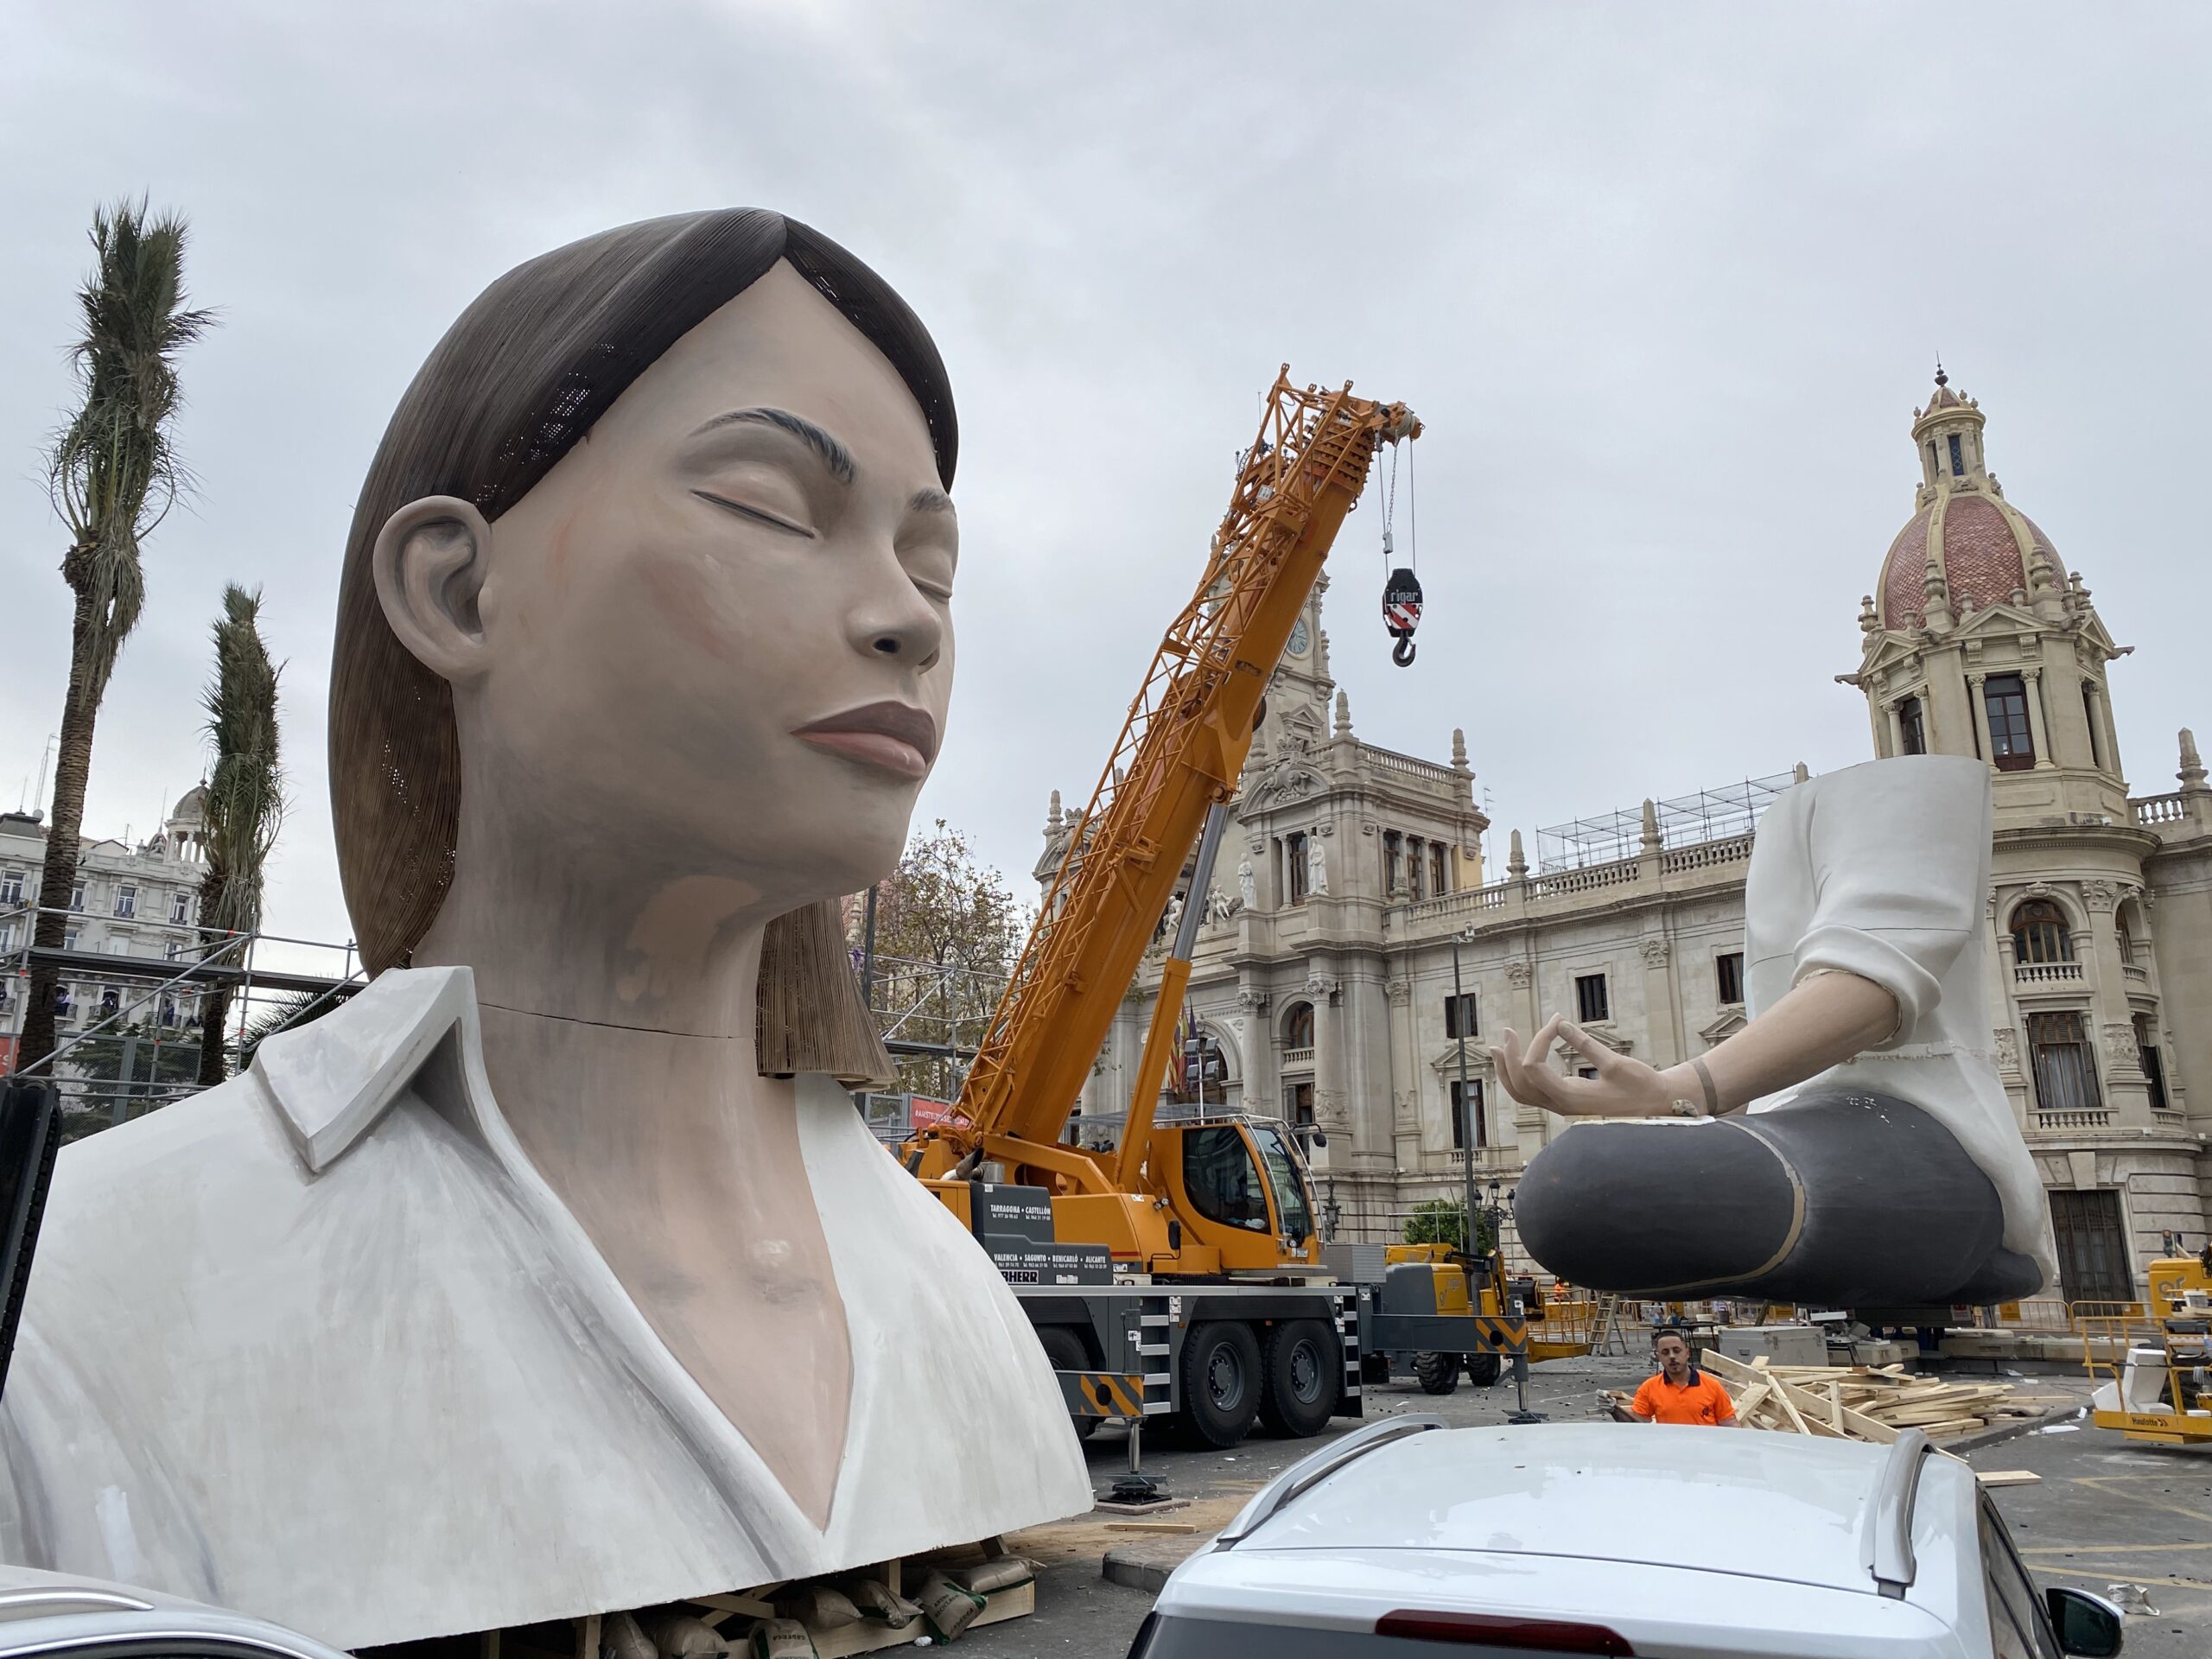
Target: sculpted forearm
1822	1022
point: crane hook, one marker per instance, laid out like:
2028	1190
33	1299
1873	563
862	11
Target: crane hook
1401	613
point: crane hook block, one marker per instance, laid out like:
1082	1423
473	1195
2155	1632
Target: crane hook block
1401	613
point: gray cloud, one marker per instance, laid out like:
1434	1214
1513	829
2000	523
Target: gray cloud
1664	283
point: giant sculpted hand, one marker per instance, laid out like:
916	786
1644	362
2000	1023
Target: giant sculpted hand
1623	1087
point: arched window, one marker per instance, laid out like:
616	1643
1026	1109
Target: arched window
1298	1027
2040	933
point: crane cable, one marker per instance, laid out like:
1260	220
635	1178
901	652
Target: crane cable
1401	586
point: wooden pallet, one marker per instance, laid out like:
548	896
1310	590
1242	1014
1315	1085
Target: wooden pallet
1861	1402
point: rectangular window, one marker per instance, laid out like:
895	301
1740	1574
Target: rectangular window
180	907
11	886
2065	1070
1459	1015
1298	1104
1439	869
1958	458
69	940
2004	696
1912	726
1728	973
1294	852
2093	1265
2089	716
1590	1007
1468	1114
126	899
1415	887
2154	1065
7	937
1393	861
77	897
111	1001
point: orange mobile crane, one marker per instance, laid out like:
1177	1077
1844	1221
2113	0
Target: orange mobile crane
1174	766
1216	1208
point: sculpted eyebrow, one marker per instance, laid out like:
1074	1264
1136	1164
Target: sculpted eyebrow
834	455
930	501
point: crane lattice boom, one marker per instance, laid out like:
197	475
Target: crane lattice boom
1180	750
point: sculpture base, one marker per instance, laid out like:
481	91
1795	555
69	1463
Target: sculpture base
733	1617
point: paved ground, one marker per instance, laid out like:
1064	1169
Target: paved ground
2105	1512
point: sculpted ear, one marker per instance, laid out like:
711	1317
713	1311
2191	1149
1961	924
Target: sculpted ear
430	561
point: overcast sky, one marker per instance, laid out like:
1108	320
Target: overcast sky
1665	284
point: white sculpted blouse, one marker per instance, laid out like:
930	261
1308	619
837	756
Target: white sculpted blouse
1882	870
321	1346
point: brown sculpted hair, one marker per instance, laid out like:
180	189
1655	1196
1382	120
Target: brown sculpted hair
517	381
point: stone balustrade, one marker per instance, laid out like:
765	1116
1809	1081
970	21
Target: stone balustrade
2082	1119
1701	864
2160	808
1296	1057
1427	771
2046	973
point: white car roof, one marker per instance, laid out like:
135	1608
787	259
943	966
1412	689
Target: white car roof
1733	1501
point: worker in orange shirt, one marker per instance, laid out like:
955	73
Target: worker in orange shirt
1680	1393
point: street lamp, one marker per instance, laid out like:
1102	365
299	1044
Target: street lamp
1332	1212
1467	1105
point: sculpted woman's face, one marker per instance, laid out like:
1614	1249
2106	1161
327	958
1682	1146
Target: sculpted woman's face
716	639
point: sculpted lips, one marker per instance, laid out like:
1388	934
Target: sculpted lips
891	735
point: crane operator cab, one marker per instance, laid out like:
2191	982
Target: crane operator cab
1242	1189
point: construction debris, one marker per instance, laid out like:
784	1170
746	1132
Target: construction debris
1856	1403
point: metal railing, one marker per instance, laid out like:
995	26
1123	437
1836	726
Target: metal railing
146	1014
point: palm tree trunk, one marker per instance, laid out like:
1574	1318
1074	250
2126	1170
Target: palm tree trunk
214	1005
72	767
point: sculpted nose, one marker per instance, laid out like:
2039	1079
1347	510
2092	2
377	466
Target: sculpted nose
894	619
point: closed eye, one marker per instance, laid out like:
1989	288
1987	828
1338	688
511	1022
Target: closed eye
755	514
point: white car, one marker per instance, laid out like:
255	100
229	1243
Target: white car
1407	1537
55	1616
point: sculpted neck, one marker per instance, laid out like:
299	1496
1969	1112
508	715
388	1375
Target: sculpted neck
603	942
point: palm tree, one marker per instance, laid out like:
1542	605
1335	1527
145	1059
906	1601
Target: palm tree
112	475
244	804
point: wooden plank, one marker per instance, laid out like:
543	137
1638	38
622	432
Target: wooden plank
1856	1424
2007	1477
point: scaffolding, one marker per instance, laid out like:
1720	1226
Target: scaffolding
1709	814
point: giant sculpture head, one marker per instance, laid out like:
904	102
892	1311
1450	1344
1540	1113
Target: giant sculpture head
653	554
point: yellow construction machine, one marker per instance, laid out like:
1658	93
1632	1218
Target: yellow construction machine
2152	1368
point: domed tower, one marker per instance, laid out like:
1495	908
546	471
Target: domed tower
1979	642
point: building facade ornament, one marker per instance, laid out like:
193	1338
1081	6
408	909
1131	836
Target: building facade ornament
1399	993
2008	1048
1519	973
2098	895
1656	952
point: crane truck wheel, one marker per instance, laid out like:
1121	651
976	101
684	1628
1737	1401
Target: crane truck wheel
1305	1377
1220	1380
1483	1369
1437	1373
1065	1349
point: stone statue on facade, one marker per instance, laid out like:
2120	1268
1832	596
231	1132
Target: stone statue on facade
1247	888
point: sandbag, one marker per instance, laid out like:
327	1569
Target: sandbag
949	1607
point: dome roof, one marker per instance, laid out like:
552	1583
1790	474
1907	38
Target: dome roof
193	803
1980	543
